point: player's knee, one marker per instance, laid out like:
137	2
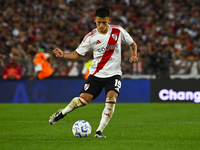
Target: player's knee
112	94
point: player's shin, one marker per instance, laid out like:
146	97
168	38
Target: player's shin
107	113
75	103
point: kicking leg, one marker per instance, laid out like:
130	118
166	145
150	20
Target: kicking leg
75	103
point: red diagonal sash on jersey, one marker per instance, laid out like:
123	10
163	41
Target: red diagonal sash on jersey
109	49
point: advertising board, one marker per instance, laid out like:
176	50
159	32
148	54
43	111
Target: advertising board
175	91
63	90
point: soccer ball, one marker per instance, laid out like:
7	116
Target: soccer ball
81	128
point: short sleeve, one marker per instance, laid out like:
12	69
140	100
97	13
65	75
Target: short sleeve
85	45
126	38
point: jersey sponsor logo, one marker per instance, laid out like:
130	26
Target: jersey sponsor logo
98	42
86	86
108	47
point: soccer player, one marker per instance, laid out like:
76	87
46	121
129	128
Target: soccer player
105	71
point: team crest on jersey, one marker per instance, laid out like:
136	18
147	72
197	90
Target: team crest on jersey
114	36
86	86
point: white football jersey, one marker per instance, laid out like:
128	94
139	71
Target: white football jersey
106	50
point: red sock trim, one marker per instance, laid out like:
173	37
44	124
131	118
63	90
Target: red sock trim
111	102
81	102
84	99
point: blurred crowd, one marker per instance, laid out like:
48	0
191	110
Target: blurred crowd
167	33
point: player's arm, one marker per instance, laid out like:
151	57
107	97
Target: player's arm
133	47
133	57
60	54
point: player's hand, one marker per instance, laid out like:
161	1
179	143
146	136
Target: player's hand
58	53
133	59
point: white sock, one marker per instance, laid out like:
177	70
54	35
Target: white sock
75	103
107	113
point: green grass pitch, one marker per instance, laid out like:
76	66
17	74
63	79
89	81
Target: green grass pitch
134	126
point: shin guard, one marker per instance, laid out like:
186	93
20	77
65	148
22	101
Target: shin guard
107	113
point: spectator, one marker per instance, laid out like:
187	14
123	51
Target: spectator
41	64
181	65
126	65
164	61
25	25
11	71
85	71
195	65
138	68
63	69
74	68
1	66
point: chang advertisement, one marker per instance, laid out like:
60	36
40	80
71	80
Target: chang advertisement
175	91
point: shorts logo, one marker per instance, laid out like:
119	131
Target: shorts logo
114	36
86	86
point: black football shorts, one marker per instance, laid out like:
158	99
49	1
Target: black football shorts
94	85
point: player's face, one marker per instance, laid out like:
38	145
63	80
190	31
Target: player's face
102	24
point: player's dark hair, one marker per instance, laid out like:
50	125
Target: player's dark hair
102	12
